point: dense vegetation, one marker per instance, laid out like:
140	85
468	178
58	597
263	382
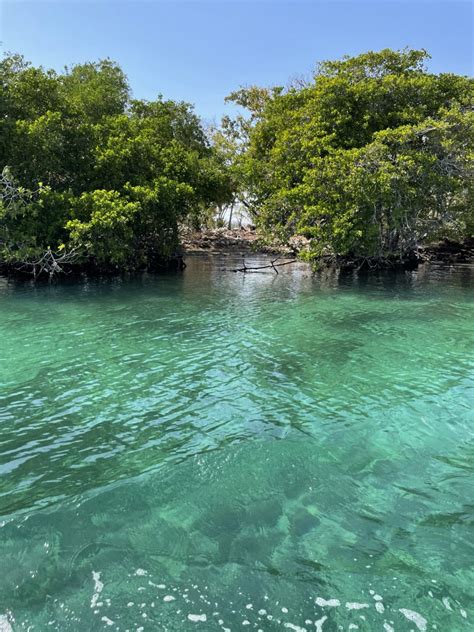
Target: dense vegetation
368	159
93	177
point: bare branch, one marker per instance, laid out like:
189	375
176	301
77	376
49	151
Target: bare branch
272	264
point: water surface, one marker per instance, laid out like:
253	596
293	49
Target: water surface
219	451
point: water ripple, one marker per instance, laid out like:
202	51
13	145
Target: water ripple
253	443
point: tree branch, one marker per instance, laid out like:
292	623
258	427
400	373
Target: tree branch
272	264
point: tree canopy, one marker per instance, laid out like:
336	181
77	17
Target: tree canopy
368	158
95	171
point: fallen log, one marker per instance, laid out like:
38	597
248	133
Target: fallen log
273	264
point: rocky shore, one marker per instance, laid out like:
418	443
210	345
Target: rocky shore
224	241
236	240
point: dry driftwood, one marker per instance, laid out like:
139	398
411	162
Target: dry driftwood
50	263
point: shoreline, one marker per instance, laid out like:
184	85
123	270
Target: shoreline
225	242
248	243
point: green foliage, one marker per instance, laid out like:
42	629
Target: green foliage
372	156
95	90
108	230
96	171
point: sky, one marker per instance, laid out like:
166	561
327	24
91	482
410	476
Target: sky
199	50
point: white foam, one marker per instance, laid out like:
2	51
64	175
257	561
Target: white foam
98	586
141	572
5	624
446	603
107	621
150	583
379	607
463	613
416	617
284	610
332	603
197	617
169	598
295	628
388	628
319	624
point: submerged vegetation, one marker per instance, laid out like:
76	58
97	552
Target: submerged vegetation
371	157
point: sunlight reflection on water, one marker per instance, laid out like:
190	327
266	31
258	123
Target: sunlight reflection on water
218	451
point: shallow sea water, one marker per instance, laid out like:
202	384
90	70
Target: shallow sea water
219	451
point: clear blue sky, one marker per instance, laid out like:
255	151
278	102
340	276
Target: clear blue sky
199	51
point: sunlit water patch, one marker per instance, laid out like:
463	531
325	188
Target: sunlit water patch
215	451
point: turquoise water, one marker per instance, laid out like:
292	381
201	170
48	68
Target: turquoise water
217	451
